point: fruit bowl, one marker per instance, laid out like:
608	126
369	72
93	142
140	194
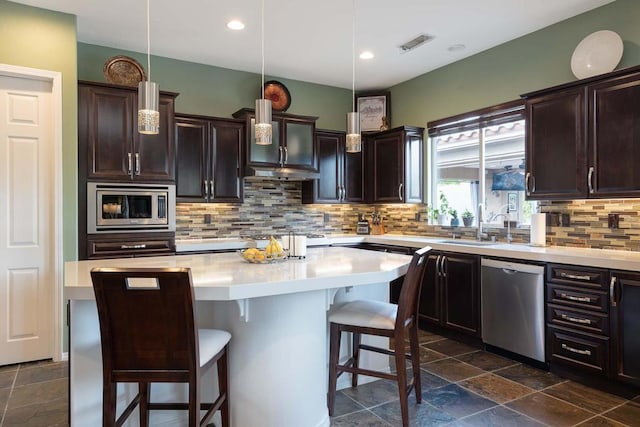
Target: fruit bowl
257	256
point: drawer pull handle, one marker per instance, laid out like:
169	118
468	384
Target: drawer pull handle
575	350
142	246
575	319
573	298
574	276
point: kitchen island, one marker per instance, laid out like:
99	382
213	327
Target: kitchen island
276	314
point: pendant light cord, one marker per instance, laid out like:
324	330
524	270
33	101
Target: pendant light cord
148	45
262	46
353	57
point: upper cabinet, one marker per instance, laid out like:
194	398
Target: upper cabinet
208	159
109	140
341	173
582	138
293	142
394	165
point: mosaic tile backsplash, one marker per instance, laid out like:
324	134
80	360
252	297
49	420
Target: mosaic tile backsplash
275	207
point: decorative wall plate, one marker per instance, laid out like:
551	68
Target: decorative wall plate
123	70
278	94
598	53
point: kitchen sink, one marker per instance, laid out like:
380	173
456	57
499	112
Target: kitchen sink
468	242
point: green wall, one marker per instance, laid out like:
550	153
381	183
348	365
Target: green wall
219	92
38	38
535	61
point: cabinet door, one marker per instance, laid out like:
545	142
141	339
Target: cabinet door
387	159
353	177
460	293
429	307
192	136
556	146
264	155
299	149
105	126
154	154
625	333
330	148
614	150
226	142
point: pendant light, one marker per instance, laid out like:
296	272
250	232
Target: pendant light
262	127
354	142
148	96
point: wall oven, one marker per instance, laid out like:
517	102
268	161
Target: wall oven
123	208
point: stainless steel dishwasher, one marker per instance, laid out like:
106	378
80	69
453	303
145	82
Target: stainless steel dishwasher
513	307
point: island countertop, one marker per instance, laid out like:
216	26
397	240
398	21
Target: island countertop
227	277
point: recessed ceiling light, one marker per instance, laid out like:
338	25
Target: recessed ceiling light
456	47
235	24
367	54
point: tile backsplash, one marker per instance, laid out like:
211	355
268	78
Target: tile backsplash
275	207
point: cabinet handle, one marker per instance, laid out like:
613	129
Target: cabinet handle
130	164
590	179
343	193
612	291
575	319
280	155
211	188
206	189
141	246
575	350
527	179
443	271
286	156
137	163
574	298
574	276
400	192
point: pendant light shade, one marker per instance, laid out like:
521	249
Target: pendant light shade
148	96
354	140
354	143
263	122
262	128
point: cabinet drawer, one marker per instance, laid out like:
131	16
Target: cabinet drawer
127	248
595	323
584	351
583	277
585	299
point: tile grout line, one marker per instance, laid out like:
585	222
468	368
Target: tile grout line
6	406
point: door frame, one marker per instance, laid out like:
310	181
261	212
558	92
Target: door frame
55	78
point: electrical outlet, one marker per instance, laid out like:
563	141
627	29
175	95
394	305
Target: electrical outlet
417	217
326	218
614	220
207	218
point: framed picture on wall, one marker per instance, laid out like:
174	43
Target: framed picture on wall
375	111
512	201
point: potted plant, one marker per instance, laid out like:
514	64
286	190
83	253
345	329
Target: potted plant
443	210
467	218
454	218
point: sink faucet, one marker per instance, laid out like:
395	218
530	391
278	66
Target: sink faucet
506	216
481	235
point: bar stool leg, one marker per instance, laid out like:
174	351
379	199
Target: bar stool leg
334	355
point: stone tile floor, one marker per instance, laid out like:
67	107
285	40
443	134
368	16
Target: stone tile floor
461	386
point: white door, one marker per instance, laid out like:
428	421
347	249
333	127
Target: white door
26	220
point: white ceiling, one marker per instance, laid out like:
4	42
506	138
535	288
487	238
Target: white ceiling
312	40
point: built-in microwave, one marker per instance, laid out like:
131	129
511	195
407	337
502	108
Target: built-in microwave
113	208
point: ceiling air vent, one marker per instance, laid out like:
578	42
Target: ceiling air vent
414	43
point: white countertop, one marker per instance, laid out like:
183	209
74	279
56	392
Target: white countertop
604	258
226	276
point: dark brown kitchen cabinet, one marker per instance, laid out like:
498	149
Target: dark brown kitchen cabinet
110	142
450	295
394	163
208	159
341	173
293	141
127	245
583	138
625	326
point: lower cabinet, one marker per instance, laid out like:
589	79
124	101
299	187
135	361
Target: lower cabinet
625	321
450	295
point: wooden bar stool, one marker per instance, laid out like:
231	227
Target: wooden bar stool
148	333
381	319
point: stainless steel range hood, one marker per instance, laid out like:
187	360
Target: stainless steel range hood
280	174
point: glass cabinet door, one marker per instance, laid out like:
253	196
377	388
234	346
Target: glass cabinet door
265	154
299	145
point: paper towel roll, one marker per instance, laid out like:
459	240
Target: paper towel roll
300	246
538	230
